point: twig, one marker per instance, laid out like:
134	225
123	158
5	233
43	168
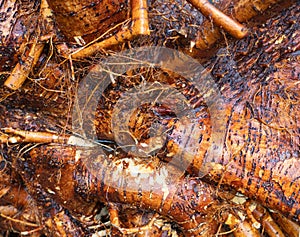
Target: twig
243	11
219	18
32	137
140	27
22	70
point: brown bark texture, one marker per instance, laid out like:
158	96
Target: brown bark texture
49	186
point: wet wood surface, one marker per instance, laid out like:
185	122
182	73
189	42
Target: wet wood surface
50	188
